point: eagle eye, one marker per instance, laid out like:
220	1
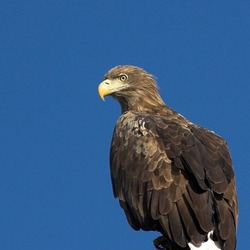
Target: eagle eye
123	78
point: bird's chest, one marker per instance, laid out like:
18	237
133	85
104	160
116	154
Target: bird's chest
129	151
130	136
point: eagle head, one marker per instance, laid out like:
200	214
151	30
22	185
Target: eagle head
132	87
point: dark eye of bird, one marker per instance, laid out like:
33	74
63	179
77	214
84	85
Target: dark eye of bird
123	78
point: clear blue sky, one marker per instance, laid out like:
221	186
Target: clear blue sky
55	189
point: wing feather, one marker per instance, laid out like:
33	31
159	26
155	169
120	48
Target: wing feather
172	178
177	232
194	233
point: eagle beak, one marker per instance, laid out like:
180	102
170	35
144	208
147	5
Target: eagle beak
108	87
104	88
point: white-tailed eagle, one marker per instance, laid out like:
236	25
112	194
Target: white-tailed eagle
169	174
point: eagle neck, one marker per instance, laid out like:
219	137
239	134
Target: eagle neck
140	103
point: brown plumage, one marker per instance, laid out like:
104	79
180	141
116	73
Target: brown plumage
169	174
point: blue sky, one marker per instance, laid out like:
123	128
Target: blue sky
55	189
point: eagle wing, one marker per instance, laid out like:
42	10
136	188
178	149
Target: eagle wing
173	178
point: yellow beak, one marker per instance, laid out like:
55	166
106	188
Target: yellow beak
108	87
104	88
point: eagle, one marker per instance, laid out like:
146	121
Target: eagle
169	175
